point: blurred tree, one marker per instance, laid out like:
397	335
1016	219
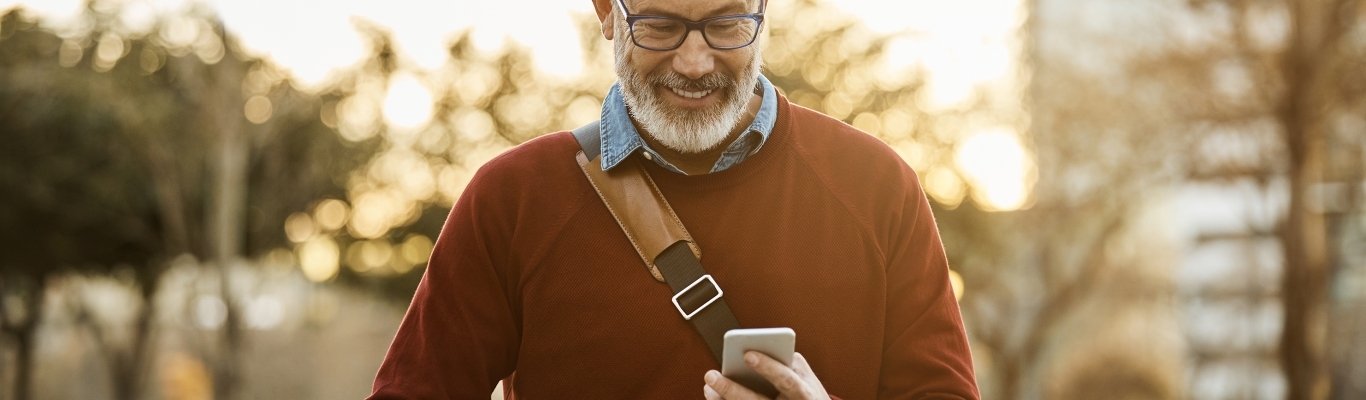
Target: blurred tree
1321	75
119	141
481	104
1295	65
1048	282
74	194
1257	90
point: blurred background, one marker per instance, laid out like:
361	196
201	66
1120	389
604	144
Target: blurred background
1140	199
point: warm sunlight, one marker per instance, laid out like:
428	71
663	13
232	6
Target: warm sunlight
998	166
267	198
408	104
962	44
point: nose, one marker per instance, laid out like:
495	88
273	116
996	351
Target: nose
694	58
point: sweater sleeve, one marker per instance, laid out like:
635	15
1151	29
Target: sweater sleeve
925	352
460	335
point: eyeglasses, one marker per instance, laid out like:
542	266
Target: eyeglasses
725	32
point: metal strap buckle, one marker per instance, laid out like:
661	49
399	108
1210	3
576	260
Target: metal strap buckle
689	315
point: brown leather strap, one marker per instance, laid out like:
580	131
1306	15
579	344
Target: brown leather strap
639	208
660	239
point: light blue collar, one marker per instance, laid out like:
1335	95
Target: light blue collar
620	138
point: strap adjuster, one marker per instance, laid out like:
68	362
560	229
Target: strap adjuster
689	315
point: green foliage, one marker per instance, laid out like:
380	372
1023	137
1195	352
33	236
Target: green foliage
74	192
110	167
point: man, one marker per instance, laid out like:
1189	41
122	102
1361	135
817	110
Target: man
805	222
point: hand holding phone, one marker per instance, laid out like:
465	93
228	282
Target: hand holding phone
777	343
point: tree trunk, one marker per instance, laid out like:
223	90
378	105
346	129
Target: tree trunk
1303	235
28	339
23	374
130	368
24	331
1011	370
228	211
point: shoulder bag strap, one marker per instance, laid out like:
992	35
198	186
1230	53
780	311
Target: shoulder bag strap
659	238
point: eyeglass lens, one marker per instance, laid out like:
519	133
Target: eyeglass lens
719	33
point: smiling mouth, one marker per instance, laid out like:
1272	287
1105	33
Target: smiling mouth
691	95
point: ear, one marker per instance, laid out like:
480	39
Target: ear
604	9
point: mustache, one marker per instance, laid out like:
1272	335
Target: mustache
711	81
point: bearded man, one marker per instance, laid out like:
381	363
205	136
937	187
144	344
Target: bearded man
804	221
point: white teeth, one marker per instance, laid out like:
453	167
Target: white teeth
690	95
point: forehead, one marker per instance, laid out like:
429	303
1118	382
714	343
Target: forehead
691	9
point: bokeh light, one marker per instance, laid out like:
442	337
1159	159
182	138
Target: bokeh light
408	104
473	124
956	282
299	227
996	163
319	259
331	214
108	51
945	187
182	31
415	251
264	312
359	118
258	109
210	312
369	255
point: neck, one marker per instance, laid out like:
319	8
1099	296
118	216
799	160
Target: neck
702	162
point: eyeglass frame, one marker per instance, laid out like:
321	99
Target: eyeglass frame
690	25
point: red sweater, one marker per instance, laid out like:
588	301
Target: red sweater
825	230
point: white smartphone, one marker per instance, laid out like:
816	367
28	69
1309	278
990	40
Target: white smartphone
778	343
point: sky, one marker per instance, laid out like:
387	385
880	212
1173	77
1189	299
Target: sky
961	43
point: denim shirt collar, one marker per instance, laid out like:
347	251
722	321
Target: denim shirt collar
620	138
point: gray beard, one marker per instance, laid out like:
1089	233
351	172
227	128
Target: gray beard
683	130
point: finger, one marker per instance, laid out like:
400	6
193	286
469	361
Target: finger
785	379
728	389
799	364
710	394
803	369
